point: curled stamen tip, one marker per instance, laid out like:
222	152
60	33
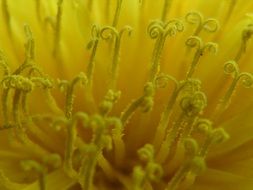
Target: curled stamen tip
146	153
219	135
191	146
154	171
193	17
198	165
204	126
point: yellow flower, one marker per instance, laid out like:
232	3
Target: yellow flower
117	94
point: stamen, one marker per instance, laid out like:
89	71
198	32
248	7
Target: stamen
160	31
145	102
93	44
246	35
162	82
231	68
193	42
117	13
58	27
107	33
69	87
209	25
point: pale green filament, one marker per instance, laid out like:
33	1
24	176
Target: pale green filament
117	13
209	25
110	33
69	87
161	81
193	42
93	44
246	35
145	102
231	67
160	31
57	35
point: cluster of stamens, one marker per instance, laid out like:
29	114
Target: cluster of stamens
103	151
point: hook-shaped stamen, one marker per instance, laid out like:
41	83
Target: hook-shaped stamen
197	42
210	25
